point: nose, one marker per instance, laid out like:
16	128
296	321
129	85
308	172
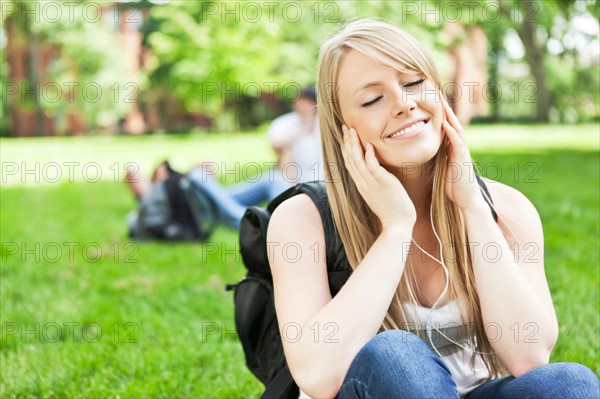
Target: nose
403	102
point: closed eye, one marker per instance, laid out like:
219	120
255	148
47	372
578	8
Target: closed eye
373	101
414	83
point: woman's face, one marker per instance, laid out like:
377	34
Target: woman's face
400	114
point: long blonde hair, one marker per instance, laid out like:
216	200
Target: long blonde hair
356	223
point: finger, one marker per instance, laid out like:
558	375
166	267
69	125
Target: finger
357	166
450	115
457	147
346	148
354	159
359	158
453	119
451	133
371	159
378	173
355	146
349	145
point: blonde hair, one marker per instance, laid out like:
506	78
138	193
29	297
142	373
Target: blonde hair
357	225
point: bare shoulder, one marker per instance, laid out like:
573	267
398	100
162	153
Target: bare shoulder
296	243
296	238
514	209
295	217
508	200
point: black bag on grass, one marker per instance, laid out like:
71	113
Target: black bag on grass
175	210
255	318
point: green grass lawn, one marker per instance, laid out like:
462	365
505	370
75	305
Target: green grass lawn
84	312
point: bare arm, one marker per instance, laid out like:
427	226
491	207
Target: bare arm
321	336
509	272
516	307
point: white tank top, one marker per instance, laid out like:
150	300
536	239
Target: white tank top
439	328
448	321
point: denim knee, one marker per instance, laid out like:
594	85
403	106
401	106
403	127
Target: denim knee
574	379
557	380
394	345
399	364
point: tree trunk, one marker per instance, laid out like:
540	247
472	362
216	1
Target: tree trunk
34	77
534	55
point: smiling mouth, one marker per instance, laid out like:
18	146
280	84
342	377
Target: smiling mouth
410	129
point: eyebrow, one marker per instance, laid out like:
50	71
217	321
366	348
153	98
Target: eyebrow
370	84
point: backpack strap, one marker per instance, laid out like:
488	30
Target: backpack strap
338	268
282	386
486	196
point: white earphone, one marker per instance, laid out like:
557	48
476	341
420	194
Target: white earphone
447	276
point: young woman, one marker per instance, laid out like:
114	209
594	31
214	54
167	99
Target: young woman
437	304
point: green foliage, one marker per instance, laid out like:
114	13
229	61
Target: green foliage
566	32
90	75
219	58
105	91
4	110
576	89
212	53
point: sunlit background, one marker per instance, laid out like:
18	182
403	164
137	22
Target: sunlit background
175	66
91	87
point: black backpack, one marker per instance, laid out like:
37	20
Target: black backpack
255	318
176	210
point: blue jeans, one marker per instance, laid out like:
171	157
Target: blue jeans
399	364
233	200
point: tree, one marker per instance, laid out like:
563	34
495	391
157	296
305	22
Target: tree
220	56
83	73
215	56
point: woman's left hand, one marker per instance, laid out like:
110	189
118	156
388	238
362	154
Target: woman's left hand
461	184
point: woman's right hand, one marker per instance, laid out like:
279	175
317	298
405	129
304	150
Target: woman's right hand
381	190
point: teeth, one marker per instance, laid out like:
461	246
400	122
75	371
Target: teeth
408	129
